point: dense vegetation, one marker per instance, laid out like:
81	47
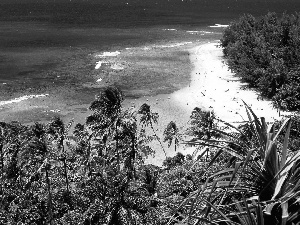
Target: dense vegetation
94	173
265	52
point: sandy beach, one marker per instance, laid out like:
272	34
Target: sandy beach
213	87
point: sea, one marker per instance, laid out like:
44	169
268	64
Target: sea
55	56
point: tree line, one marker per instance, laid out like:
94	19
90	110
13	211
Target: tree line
265	53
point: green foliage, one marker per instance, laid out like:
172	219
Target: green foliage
171	134
203	124
261	174
92	178
108	103
148	118
264	52
177	160
175	182
250	174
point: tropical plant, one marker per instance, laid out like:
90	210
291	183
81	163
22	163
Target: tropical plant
259	174
148	118
203	124
177	160
171	134
114	151
59	132
98	176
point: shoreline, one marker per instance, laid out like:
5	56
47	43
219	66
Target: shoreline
137	71
213	87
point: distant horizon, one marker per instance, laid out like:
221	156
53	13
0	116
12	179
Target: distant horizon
135	1
120	13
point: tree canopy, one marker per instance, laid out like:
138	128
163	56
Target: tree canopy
265	53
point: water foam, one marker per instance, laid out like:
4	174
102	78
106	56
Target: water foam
217	25
175	45
99	64
108	54
199	31
22	98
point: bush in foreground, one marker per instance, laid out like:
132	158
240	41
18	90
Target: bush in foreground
98	176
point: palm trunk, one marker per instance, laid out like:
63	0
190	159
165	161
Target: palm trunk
88	155
206	155
133	154
65	164
117	143
49	198
158	139
66	175
2	177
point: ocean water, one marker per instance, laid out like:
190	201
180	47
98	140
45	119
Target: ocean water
52	50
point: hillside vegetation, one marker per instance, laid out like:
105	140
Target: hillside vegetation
265	53
94	173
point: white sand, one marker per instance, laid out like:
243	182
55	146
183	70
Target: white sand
214	87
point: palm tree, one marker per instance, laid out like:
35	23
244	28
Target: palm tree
59	131
47	167
83	146
2	160
34	158
171	134
11	140
127	135
148	118
108	103
203	124
116	132
104	121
